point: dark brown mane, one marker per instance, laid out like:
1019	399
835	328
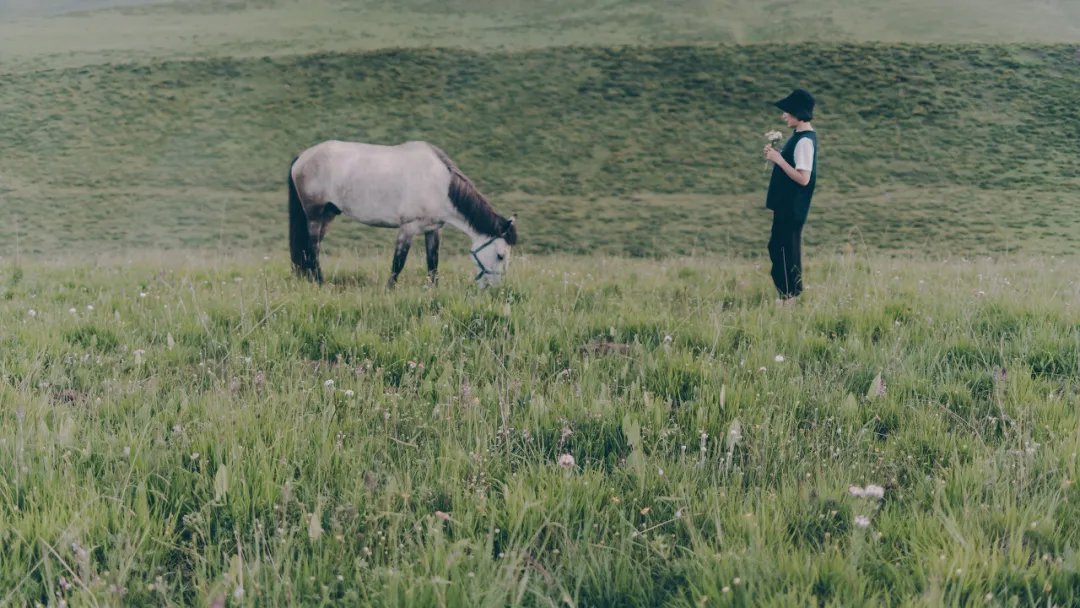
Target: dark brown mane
470	203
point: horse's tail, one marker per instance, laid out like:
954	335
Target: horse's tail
305	258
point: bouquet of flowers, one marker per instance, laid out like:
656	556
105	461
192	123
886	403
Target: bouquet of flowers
773	138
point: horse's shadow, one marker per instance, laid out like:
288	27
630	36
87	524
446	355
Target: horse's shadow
349	280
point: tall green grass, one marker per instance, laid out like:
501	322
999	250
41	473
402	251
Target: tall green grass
178	430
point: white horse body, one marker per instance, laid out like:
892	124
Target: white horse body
412	186
384	186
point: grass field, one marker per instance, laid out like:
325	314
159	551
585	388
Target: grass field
630	420
185	430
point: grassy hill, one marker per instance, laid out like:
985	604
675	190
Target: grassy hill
622	150
210	28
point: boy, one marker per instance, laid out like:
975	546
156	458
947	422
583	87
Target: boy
790	191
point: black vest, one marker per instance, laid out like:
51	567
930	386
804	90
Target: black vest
787	198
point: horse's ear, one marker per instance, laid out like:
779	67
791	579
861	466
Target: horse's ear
510	230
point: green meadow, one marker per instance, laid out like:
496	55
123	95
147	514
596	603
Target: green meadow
629	420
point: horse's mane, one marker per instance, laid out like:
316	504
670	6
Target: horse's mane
470	203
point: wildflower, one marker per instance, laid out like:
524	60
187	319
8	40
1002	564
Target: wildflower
412	365
349	393
194	455
442	516
32	313
90	307
857	491
989	597
72	311
726	590
142	294
873	491
763	369
127	451
566	461
328	384
737	581
862	521
780	358
667	339
239	593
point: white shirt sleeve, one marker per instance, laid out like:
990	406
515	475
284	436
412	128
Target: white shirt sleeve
804	155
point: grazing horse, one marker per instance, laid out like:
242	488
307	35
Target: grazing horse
413	187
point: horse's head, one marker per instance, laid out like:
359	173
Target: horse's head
491	255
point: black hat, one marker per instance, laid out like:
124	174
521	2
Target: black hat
799	104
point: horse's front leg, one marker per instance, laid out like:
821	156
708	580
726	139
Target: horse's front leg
401	252
431	242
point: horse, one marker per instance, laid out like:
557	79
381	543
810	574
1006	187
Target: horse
412	186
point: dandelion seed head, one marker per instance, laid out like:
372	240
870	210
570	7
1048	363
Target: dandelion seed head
566	461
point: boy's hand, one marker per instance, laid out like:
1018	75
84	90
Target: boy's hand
773	155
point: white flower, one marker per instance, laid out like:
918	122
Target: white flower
127	452
90	307
32	313
72	311
873	491
857	491
566	461
667	339
328	383
349	393
780	358
862	521
763	369
142	294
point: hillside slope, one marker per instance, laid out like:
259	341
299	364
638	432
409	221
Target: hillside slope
211	28
634	150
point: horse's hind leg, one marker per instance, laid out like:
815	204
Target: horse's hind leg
431	243
317	228
401	252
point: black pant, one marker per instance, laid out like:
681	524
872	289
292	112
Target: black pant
785	251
